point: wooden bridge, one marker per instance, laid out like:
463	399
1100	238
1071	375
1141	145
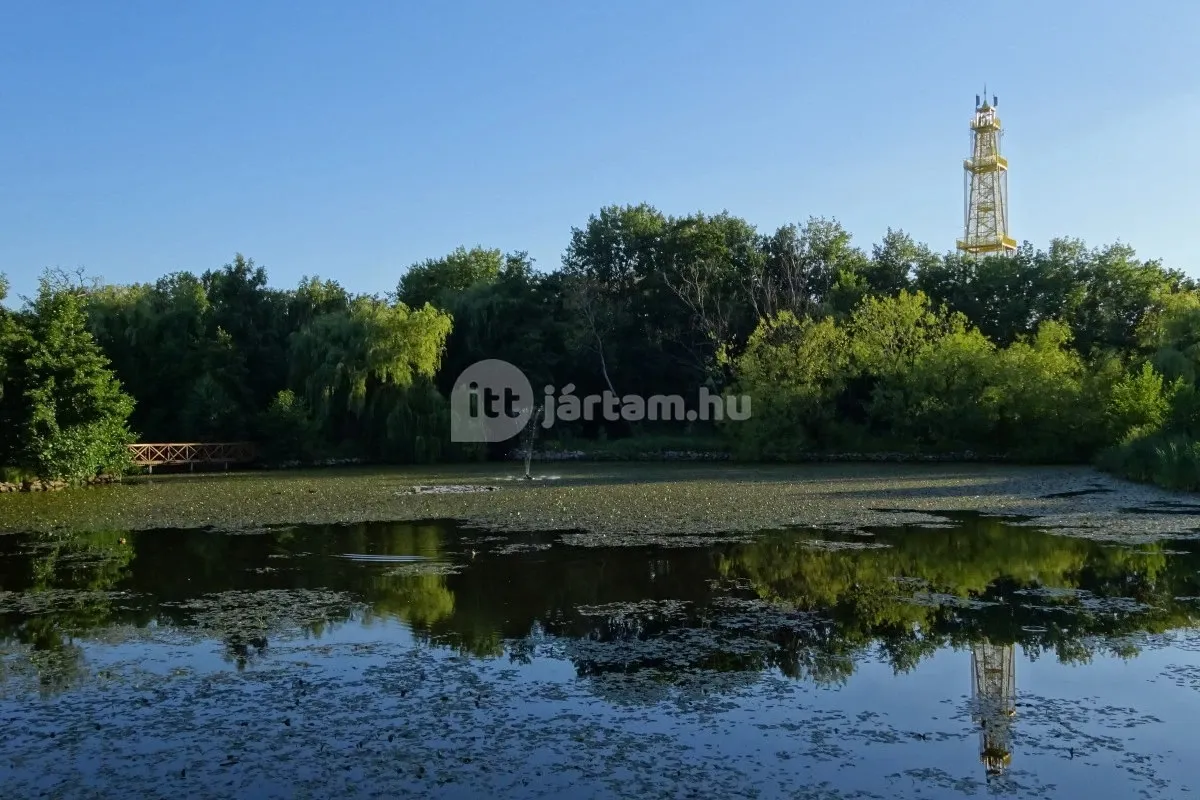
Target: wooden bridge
192	453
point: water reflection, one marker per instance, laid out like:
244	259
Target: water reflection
994	692
808	605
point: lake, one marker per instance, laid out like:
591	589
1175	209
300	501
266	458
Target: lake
910	654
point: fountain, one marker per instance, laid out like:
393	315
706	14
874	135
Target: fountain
530	436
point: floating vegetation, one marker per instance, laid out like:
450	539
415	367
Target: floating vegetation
450	488
652	608
529	478
522	547
835	544
415	568
433	658
246	614
51	601
632	539
648	499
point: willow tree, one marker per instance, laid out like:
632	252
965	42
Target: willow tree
365	370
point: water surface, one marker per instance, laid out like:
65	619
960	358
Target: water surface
975	658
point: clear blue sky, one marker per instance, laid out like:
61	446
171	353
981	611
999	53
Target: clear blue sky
350	140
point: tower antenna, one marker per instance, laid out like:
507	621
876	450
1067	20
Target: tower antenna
985	189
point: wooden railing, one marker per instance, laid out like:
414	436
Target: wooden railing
192	453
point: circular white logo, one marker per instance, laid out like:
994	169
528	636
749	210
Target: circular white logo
492	401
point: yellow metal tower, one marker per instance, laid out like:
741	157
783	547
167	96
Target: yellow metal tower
986	186
994	691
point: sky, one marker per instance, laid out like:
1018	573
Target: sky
351	140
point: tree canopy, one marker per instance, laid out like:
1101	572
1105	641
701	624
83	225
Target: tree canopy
1055	354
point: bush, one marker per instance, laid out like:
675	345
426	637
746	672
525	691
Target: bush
289	431
1170	461
1138	404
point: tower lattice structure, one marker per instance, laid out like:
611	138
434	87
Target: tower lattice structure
985	227
994	691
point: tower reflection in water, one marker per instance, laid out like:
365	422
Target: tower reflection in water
993	695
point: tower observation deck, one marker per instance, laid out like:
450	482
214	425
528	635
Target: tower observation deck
985	174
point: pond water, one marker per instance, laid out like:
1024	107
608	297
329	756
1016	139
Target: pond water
973	658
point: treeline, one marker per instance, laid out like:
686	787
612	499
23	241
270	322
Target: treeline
1060	354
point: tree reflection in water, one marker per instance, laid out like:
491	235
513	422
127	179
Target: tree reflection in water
812	605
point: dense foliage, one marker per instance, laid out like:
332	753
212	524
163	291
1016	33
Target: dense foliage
62	411
1059	354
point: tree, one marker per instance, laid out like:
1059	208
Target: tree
246	322
1120	293
920	371
608	268
709	262
1138	404
1042	410
811	269
437	281
63	413
519	317
353	367
793	369
6	332
895	262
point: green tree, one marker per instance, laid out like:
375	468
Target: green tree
247	352
519	317
793	370
438	280
891	339
609	267
810	270
896	261
356	366
6	332
63	413
944	394
1043	411
1138	404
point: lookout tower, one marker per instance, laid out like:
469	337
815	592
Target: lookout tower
985	227
994	689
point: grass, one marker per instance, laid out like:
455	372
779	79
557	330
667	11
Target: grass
1172	462
15	475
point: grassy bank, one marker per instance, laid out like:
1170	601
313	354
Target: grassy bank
1172	462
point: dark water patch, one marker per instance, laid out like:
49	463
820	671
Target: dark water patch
384	558
942	517
1164	507
431	659
1077	493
